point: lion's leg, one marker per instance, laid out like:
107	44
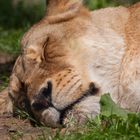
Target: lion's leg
18	96
86	109
16	89
5	103
12	95
130	77
129	97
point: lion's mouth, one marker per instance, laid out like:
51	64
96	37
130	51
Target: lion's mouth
51	115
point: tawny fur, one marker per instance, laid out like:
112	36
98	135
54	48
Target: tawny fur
71	45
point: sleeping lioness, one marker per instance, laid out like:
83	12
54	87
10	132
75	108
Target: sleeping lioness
73	56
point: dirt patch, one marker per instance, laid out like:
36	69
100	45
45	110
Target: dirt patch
14	128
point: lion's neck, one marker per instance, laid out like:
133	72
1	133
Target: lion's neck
100	52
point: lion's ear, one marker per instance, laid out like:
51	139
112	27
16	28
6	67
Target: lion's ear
56	2
61	6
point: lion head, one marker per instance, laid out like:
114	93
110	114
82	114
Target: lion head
48	72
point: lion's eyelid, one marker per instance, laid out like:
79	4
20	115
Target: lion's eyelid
44	47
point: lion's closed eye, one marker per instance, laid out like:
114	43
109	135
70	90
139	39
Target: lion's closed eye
36	51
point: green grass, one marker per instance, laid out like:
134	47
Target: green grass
9	43
10	40
96	4
108	128
20	16
4	82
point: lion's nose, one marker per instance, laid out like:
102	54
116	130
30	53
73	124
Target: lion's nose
46	91
43	99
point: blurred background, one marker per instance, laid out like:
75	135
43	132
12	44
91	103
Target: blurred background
16	16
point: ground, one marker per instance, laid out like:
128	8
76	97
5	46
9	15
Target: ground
12	128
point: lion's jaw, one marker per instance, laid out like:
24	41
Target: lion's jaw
64	95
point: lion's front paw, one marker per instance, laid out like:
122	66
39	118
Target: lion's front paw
85	110
6	106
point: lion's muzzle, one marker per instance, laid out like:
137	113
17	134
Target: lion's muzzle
51	115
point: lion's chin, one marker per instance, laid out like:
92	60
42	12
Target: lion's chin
54	118
51	118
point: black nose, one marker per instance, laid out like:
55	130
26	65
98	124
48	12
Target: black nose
43	99
46	91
